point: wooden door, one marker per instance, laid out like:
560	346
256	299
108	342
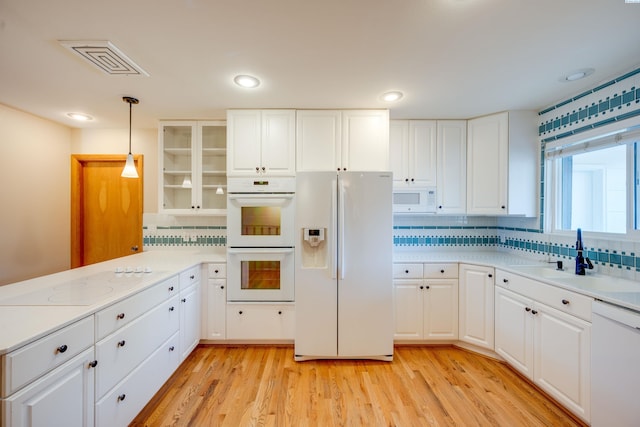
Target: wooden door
106	209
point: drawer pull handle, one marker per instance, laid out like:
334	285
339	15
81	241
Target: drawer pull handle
171	308
565	301
120	316
170	288
534	312
527	309
121	397
121	343
172	348
62	348
93	364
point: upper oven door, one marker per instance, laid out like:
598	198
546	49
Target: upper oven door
260	220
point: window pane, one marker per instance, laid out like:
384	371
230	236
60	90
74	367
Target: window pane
593	191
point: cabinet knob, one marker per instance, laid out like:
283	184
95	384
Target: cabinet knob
215	271
198	207
193	207
192	277
221	286
565	301
490	275
442	271
240	312
440	207
93	364
427	287
134	248
534	312
183	300
257	169
344	169
505	280
527	309
406	180
121	397
61	349
170	288
406	271
171	308
412	180
279	311
172	348
120	316
121	343
421	287
503	207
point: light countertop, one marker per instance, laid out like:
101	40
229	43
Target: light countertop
26	316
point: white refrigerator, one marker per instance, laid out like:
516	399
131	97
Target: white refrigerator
343	276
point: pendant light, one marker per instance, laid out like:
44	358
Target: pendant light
129	170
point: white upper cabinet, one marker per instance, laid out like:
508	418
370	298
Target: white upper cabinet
451	151
329	140
412	153
502	159
193	167
261	142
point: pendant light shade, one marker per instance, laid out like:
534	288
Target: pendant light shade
129	170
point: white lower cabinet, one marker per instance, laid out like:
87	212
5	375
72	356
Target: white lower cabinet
551	346
189	319
260	321
63	397
215	303
476	305
426	309
124	401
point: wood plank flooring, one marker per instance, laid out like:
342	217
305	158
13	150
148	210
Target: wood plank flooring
423	386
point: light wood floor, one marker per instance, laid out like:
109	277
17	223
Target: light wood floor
423	386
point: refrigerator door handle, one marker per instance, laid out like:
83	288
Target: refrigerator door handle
334	229
341	227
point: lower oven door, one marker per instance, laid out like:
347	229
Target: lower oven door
260	274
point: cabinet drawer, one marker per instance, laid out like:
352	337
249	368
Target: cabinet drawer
126	400
217	271
441	271
121	352
562	299
189	277
260	321
22	366
407	271
123	312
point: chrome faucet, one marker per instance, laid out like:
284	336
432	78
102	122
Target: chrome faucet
581	262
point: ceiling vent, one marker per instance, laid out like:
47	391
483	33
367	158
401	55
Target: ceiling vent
105	56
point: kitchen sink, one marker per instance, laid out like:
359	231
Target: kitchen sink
605	284
541	271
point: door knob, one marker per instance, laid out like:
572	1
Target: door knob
134	248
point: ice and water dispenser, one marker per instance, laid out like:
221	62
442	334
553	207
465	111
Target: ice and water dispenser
314	248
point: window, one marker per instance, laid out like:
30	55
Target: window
595	185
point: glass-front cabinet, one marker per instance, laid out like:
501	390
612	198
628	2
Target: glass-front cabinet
193	165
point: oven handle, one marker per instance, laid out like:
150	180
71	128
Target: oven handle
261	196
260	250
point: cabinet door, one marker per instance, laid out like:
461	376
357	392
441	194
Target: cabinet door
398	152
562	358
63	397
365	140
476	305
487	167
318	136
452	166
408	309
216	309
278	142
177	141
189	319
514	330
422	152
212	166
244	134
440	309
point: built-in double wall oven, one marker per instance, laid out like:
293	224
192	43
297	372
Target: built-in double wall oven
260	239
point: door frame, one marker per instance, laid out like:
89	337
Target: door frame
78	163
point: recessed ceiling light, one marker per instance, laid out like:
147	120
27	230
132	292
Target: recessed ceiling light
392	96
244	80
577	75
80	116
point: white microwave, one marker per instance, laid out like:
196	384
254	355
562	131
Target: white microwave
414	200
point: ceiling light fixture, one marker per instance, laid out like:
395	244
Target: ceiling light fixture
129	170
246	81
80	116
392	96
577	75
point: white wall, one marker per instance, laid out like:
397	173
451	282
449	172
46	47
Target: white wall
35	195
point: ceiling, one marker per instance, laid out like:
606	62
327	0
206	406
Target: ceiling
451	58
